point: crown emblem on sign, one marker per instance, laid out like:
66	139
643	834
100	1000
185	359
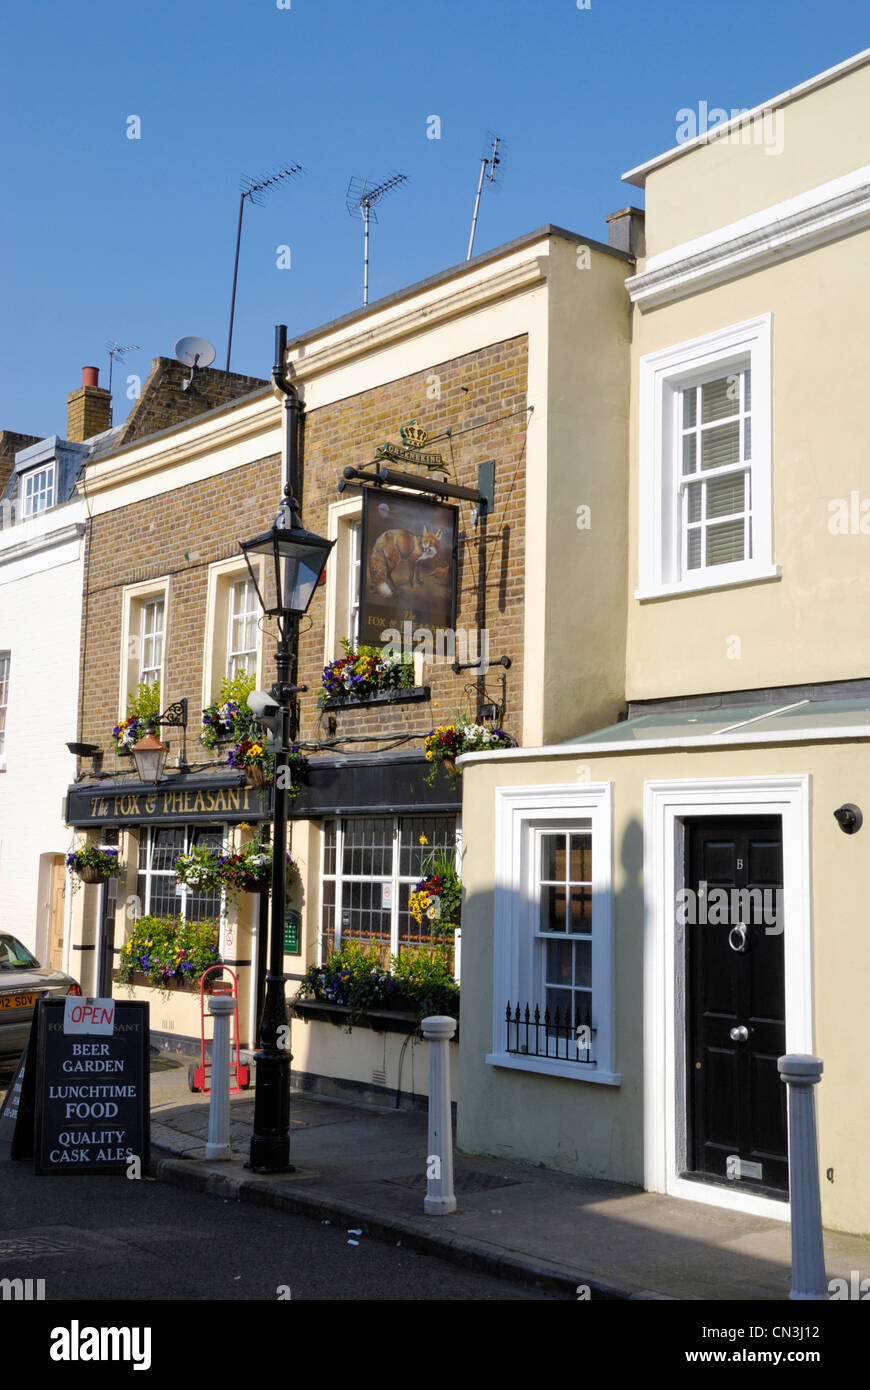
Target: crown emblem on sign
413	435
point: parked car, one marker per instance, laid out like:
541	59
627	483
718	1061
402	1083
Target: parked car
22	981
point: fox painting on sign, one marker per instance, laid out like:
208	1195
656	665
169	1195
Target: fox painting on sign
409	557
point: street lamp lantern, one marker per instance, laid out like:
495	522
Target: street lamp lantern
294	562
297	559
149	755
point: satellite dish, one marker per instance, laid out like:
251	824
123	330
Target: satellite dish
195	352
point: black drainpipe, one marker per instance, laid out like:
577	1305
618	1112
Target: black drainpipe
294	417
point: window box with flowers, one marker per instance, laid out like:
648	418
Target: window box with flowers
143	711
167	953
353	987
444	745
368	676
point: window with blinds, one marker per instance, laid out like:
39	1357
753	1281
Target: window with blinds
715	481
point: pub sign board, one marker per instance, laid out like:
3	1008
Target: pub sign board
92	1086
187	800
408	565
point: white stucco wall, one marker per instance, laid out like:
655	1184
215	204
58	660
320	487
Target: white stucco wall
41	567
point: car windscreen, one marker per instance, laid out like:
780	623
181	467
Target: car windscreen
14	956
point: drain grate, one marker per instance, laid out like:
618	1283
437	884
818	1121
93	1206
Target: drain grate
465	1180
30	1247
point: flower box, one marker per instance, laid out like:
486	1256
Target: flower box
379	697
381	1020
141	981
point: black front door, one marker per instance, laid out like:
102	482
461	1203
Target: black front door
736	1125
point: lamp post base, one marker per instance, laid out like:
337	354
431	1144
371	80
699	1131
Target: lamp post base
270	1141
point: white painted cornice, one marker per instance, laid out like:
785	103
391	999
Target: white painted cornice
639	174
48	540
194	440
416	317
823	214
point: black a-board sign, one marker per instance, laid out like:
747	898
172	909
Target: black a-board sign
84	1104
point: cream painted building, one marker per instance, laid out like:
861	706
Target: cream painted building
678	884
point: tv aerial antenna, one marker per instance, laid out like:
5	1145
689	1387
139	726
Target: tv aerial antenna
362	198
115	350
489	170
194	352
256	190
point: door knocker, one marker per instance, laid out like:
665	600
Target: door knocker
738	938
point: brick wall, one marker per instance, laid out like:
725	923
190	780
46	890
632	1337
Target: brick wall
164	402
11	444
482	400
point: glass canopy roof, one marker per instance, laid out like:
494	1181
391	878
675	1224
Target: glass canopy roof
808	715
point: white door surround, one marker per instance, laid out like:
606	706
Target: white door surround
666	806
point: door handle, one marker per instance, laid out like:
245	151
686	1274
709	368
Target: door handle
740	1033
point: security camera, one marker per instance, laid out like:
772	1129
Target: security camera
849	818
262	704
269	715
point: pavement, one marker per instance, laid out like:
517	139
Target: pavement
364	1167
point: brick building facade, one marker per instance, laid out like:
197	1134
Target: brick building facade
476	358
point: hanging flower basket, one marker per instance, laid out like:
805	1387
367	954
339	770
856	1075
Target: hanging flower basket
93	865
247	871
90	873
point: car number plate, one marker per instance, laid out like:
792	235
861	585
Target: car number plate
17	1001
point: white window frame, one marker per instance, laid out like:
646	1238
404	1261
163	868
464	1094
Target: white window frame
394	879
5	660
520	814
145	847
148	640
134	598
663	376
215	665
344	561
235	586
29	491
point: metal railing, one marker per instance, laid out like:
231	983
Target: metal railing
531	1033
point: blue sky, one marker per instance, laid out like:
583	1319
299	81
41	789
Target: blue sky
107	238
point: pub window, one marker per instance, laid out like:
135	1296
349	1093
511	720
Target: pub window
145	614
159	848
233	626
151	640
370	866
343	576
244	612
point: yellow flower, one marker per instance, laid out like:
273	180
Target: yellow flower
429	756
423	840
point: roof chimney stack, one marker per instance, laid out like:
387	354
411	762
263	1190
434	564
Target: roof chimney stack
625	231
88	410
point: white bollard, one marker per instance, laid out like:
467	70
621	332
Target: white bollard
221	1006
439	1199
808	1280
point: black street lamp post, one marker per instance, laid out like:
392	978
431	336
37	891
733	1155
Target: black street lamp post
295	559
